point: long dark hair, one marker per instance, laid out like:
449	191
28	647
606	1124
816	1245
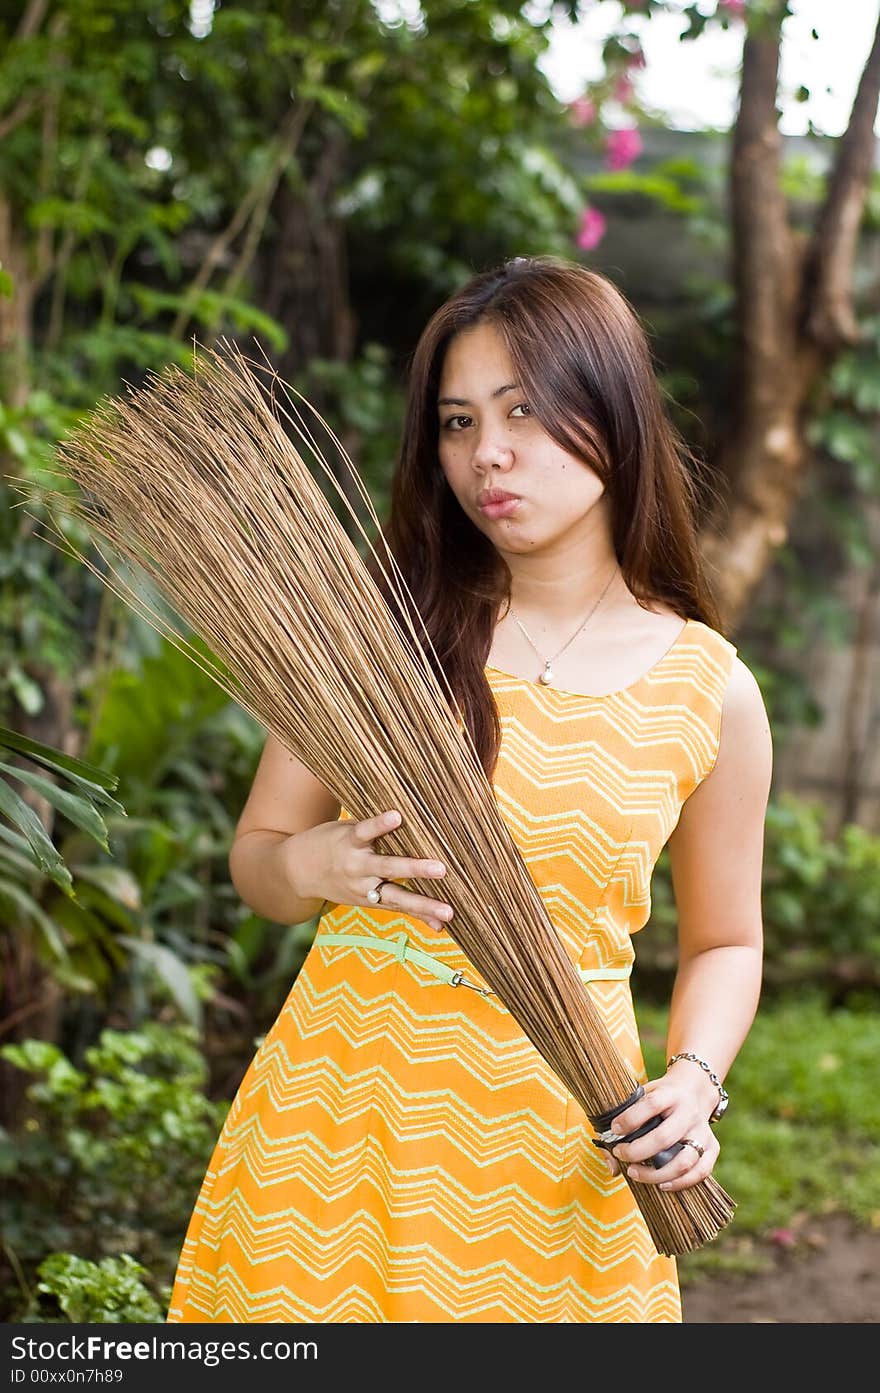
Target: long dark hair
583	359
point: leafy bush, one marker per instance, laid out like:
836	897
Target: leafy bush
107	1161
99	1292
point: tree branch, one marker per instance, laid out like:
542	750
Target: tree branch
19	113
66	249
288	139
762	238
44	253
31	19
260	212
827	318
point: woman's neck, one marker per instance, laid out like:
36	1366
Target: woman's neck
554	600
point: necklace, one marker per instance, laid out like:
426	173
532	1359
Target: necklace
546	677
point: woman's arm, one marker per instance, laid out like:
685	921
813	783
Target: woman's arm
269	847
716	857
291	850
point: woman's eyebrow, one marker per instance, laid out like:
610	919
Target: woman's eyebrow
463	401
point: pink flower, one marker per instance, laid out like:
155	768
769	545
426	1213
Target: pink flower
623	89
784	1238
732	7
591	230
622	147
636	59
582	111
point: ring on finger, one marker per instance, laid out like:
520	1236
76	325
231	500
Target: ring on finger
374	896
689	1141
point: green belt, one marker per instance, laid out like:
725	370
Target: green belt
399	946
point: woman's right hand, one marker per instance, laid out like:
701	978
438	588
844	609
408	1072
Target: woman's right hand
335	861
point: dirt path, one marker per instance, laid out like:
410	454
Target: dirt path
831	1275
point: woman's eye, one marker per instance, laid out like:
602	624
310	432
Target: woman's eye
450	422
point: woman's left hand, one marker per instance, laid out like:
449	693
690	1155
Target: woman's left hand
682	1103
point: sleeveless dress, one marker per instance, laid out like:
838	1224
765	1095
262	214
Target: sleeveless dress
398	1150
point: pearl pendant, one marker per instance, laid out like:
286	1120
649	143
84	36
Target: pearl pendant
546	676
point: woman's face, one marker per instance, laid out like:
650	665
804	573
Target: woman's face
489	440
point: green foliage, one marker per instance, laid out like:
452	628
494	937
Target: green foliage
29	855
362	402
147	920
134	187
845	425
86	938
661	186
108	1161
141	229
185	754
37	616
819	896
98	1292
214	310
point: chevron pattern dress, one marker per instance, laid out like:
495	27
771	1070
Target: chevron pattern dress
398	1150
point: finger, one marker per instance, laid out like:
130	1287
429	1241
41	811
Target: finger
665	1134
405	868
370	828
656	1100
419	906
687	1162
701	1171
687	1172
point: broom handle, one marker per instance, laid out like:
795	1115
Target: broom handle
608	1140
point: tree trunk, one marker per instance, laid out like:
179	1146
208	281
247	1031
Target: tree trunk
15	314
857	732
794	315
306	288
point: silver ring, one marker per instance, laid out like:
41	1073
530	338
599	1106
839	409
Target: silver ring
688	1141
374	896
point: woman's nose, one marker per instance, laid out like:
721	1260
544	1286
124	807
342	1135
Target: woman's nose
492	453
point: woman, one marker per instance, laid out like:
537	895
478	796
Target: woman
398	1150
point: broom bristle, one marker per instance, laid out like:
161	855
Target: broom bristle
197	482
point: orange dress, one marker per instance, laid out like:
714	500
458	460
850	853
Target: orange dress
398	1150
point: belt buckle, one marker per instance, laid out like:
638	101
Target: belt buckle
458	979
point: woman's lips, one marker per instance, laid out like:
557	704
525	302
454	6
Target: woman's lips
500	510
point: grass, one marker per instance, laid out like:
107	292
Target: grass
801	1138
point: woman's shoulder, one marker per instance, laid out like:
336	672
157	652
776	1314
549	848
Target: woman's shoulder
743	764
739	771
727	681
744	733
743	693
697	631
716	645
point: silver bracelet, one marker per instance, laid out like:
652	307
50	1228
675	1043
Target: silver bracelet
723	1096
